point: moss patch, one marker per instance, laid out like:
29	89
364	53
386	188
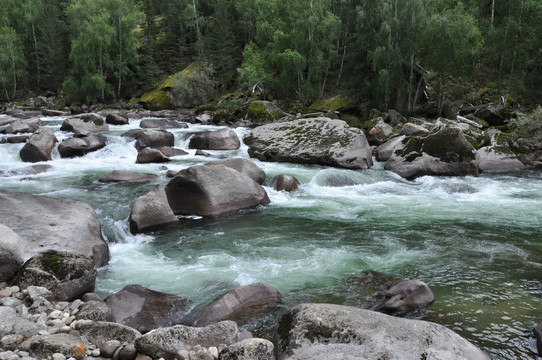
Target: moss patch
51	262
336	103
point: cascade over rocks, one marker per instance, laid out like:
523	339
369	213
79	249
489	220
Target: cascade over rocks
39	146
319	141
286	182
12	249
222	139
241	305
68	276
213	190
151	211
85	124
444	152
170	342
80	146
325	331
244	166
120	176
48	223
144	309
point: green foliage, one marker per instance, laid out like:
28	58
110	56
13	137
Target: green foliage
528	131
193	88
12	62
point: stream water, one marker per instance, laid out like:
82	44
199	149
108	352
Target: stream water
476	241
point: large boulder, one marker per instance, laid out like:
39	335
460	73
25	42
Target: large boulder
80	146
241	305
8	316
380	133
326	331
23	126
244	166
312	141
213	190
68	276
98	332
383	152
85	124
121	176
493	115
162	124
44	346
169	343
223	139
48	223
151	211
144	309
95	311
150	155
444	152
39	147
12	249
150	138
117	119
498	160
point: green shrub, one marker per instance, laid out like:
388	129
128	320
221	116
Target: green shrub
528	131
193	88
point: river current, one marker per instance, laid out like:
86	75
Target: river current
476	241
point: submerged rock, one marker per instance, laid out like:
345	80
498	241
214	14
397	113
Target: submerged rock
68	276
223	139
311	141
286	182
144	309
39	146
50	223
213	190
444	152
241	305
325	331
405	296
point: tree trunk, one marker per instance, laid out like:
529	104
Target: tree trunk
120	60
37	55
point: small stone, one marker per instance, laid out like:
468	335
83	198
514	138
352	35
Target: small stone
64	329
197	348
108	348
68	320
95	353
53	331
221	347
74	312
4	293
75	333
3	284
59	356
23	354
14	289
213	351
11	342
55	314
128	352
75	304
38	291
43	332
57	323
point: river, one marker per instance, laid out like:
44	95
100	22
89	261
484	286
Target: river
476	241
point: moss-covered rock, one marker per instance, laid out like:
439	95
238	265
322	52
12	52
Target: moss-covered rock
261	112
336	103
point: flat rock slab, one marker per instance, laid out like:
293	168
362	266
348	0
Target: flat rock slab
120	176
320	141
326	331
49	223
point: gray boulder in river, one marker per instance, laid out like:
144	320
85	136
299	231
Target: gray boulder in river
241	305
151	211
85	124
68	276
144	309
223	139
244	166
444	152
39	147
319	141
11	253
213	190
150	138
326	331
79	146
286	182
58	224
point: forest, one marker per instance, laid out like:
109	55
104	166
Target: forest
382	53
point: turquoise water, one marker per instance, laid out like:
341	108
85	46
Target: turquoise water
475	241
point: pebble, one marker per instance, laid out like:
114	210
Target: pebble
95	353
55	314
4	293
213	351
58	356
43	332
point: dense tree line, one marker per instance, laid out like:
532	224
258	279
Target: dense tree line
379	51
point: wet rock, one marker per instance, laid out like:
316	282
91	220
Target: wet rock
49	223
169	342
212	190
39	146
498	160
80	146
151	211
162	124
336	180
42	346
325	331
50	112
202	153
120	176
23	126
319	141
285	182
444	152
68	276
244	166
150	138
14	139
108	348
249	349
85	124
95	311
405	296
380	133
12	249
171	151
102	332
144	309
116	119
149	155
223	139
241	305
